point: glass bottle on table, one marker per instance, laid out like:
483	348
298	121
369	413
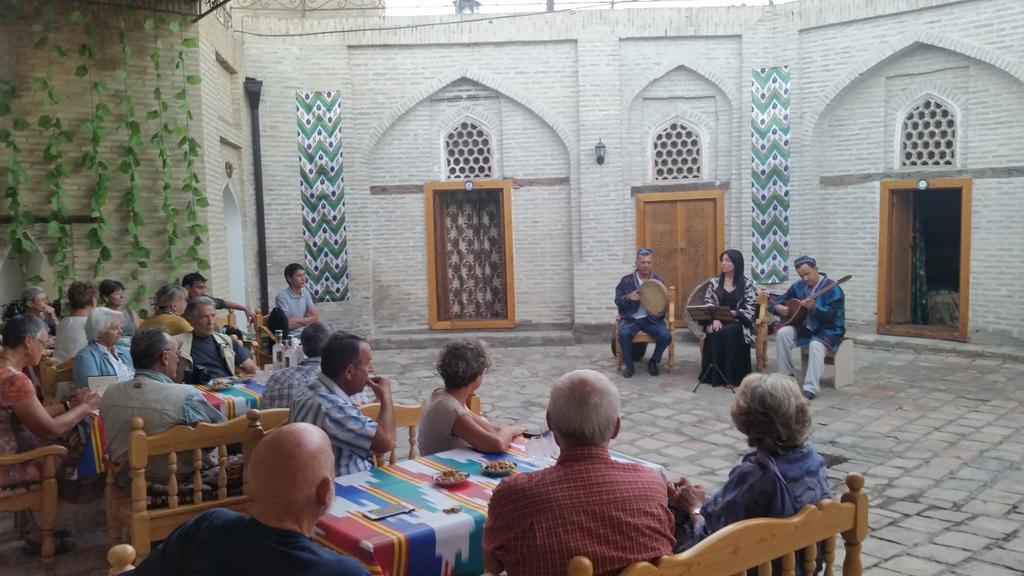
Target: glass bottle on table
278	350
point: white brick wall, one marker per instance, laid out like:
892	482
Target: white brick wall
550	86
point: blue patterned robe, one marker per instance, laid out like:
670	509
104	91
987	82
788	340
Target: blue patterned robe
827	323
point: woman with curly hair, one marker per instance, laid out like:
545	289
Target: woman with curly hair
447	422
781	475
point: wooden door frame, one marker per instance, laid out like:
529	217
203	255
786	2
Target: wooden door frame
884	266
430	189
716	194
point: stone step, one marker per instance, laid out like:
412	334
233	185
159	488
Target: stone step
515	338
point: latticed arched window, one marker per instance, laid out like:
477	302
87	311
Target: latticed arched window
677	153
467	151
928	137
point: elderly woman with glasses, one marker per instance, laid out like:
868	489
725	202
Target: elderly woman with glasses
26	424
35	303
781	475
170	303
102	356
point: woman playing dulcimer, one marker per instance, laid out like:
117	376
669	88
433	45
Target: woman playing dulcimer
725	357
821	330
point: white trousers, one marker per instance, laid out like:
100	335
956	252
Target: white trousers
784	344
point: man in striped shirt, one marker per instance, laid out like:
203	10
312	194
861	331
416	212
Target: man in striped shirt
285	383
587	504
327	402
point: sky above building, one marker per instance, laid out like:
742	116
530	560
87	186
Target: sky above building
434	7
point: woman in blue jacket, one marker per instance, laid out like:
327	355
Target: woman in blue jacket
102	356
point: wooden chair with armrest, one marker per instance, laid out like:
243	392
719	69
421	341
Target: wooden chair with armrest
121	559
41	496
643	337
132	508
755	543
405	417
52	373
261	329
226	318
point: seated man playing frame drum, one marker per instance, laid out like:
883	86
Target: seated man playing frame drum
635	317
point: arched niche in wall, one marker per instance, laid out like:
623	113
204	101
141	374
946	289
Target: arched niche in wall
235	251
681	94
15	275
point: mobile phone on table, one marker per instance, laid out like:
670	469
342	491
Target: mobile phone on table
388	511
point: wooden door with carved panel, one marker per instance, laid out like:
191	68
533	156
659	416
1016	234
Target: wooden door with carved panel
686	232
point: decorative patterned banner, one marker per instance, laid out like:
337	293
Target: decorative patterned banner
323	194
769	132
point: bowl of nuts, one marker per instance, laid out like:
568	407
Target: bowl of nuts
498	468
450	478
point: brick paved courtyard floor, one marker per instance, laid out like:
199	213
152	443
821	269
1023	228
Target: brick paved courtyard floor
939	438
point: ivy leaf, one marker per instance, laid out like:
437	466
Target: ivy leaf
152	114
203	264
100	88
78	17
157	94
124	167
181	95
193	79
42	42
40	84
19	124
57	51
45	122
120	75
53	229
102	110
175	26
203	202
190	42
105	253
82	71
149	24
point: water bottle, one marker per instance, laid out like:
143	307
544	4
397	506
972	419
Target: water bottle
278	351
289	352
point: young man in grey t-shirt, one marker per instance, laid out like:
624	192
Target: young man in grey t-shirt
296	300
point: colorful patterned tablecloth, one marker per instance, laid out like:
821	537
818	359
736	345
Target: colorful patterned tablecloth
427	541
231	402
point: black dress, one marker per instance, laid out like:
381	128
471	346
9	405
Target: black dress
726	349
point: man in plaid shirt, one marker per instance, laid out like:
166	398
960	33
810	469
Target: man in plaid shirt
283	384
614	513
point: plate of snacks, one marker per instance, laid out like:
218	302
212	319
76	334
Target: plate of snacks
498	468
450	478
220	383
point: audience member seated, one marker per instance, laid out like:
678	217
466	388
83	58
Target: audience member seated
112	294
71	329
219	354
296	300
35	303
779	477
446	421
103	356
195	284
587	504
276	539
170	303
345	367
25	424
283	384
153	396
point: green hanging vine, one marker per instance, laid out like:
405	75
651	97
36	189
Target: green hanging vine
19	241
129	167
158	139
53	156
94	129
189	147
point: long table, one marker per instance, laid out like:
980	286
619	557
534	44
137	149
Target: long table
231	402
427	541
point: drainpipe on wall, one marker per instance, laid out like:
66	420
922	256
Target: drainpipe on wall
253	87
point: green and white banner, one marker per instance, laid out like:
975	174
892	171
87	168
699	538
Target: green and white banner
323	194
770	147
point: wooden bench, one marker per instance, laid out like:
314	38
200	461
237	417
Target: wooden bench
841	360
755	543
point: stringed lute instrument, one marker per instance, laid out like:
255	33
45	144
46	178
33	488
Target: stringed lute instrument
797	313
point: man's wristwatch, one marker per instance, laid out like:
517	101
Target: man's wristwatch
67	405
